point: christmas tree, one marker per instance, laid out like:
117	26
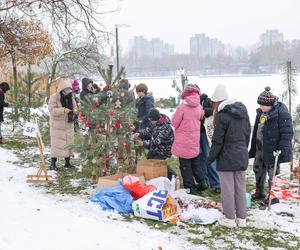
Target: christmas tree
107	120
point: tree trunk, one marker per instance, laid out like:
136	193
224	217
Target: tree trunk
52	75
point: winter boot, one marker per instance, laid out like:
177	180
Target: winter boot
194	191
68	164
202	186
230	223
1	141
53	164
258	195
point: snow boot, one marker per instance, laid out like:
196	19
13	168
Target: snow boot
68	164
230	223
258	195
53	164
202	186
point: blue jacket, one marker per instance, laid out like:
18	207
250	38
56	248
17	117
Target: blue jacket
277	135
144	105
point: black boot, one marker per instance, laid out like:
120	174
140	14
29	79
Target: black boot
68	164
258	195
53	164
1	141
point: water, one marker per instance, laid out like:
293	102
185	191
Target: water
242	88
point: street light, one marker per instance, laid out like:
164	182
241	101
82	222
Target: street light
117	42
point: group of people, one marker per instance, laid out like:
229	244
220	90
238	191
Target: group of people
210	137
220	158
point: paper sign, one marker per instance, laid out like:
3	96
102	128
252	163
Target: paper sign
31	129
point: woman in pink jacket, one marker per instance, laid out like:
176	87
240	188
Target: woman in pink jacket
186	146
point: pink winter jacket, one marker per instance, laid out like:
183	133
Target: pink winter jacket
187	122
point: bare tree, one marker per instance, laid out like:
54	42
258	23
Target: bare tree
64	14
72	58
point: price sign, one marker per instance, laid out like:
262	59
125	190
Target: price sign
31	129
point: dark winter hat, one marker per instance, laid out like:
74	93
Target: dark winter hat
154	115
266	98
124	84
4	86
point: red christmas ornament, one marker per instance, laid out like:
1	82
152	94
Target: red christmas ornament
111	113
118	123
81	117
97	126
127	146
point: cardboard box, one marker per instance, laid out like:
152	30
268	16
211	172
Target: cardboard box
152	168
113	180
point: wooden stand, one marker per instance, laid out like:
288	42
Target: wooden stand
41	176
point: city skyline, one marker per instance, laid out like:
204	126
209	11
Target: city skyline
202	45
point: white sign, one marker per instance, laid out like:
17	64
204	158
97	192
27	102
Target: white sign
31	129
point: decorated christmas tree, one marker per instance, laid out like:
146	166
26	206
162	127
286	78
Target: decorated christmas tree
107	120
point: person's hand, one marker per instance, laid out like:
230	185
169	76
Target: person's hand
140	143
67	110
136	135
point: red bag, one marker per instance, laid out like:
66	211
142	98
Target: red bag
132	184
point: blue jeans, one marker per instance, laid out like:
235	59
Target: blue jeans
210	172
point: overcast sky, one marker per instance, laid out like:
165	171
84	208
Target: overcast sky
238	22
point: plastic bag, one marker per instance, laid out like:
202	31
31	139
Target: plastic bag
133	184
161	183
117	198
157	205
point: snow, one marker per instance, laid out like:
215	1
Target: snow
242	88
32	219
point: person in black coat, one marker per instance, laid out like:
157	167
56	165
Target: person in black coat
158	138
230	148
87	89
144	104
273	130
4	87
209	171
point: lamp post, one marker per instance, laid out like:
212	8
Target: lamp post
117	43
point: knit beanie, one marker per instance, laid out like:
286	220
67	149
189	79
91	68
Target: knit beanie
154	115
220	94
266	98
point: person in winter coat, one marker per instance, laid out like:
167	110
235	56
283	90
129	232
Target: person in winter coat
87	89
62	107
4	87
210	172
187	122
124	87
230	149
273	130
158	138
144	104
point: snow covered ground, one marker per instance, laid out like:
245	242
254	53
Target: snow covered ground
31	219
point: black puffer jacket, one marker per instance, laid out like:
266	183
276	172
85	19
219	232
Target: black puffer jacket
4	86
158	139
277	135
206	104
231	137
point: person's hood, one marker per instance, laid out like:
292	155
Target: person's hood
203	97
234	108
63	85
4	86
147	97
192	100
277	108
85	83
163	120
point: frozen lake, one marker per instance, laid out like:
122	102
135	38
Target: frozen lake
243	88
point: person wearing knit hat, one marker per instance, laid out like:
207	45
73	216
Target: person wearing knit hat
186	122
230	150
157	138
273	130
4	87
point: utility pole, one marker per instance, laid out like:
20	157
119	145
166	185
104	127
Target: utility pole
117	48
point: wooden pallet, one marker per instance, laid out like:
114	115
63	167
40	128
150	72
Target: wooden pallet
41	176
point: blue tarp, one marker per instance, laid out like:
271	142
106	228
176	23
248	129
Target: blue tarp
117	198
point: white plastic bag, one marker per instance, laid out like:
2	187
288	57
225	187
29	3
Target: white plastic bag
161	183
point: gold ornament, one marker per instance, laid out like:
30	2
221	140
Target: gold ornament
94	161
